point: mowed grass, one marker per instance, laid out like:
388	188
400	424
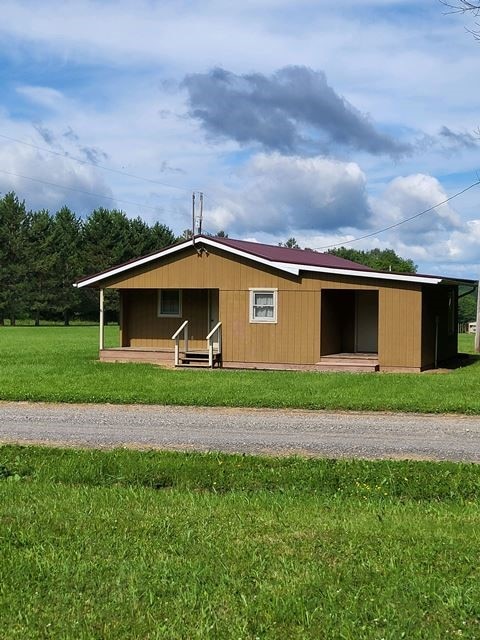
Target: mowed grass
127	544
59	364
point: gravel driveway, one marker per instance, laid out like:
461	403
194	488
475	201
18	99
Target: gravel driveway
278	432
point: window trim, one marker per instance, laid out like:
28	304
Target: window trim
266	320
159	305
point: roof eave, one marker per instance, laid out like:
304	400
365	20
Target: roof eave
286	267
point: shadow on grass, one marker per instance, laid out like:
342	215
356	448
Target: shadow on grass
460	361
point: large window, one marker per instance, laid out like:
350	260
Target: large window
170	303
263	305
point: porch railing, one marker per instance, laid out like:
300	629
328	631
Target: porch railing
217	329
177	337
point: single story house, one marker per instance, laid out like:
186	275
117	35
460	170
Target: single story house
220	301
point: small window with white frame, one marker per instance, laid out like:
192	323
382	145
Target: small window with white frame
169	303
263	305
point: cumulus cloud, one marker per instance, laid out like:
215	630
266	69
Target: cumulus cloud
407	196
294	110
280	194
35	177
324	202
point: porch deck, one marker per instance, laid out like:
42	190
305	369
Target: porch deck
153	355
355	362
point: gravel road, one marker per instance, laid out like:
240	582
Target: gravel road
278	432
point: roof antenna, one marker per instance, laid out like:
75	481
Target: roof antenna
193	218
200	218
197	221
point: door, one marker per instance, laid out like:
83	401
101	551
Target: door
213	313
366	321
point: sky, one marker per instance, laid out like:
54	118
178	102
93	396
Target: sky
324	121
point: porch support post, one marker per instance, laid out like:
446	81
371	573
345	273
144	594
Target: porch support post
102	324
477	331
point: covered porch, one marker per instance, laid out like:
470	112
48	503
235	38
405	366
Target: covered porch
177	327
349	330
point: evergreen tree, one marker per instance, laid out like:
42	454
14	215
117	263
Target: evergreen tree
41	252
291	243
68	263
160	236
467	308
13	257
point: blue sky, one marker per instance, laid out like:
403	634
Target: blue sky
295	118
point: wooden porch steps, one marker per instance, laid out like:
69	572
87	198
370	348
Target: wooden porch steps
354	362
199	359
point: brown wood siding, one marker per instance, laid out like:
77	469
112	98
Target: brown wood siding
295	338
192	271
146	329
399	327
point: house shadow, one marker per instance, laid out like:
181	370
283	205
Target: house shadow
460	361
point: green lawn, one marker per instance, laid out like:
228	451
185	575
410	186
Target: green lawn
127	545
59	364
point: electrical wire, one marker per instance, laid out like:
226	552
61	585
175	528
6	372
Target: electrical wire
88	193
67	156
397	224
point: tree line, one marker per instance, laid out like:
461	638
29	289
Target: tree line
42	254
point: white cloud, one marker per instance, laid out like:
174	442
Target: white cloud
34	176
99	69
407	196
280	194
43	96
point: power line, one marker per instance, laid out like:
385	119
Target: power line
88	193
67	156
397	224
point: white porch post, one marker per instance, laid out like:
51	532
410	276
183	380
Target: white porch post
102	324
477	331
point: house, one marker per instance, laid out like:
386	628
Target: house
220	301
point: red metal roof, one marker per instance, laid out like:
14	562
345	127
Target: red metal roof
291	256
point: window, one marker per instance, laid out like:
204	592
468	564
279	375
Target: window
170	303
263	305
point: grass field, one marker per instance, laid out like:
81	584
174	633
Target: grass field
150	545
59	364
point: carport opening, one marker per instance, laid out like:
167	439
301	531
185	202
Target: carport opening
349	322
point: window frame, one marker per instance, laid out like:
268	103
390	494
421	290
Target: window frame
159	305
265	320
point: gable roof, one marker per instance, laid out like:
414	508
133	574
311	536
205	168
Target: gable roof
287	260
